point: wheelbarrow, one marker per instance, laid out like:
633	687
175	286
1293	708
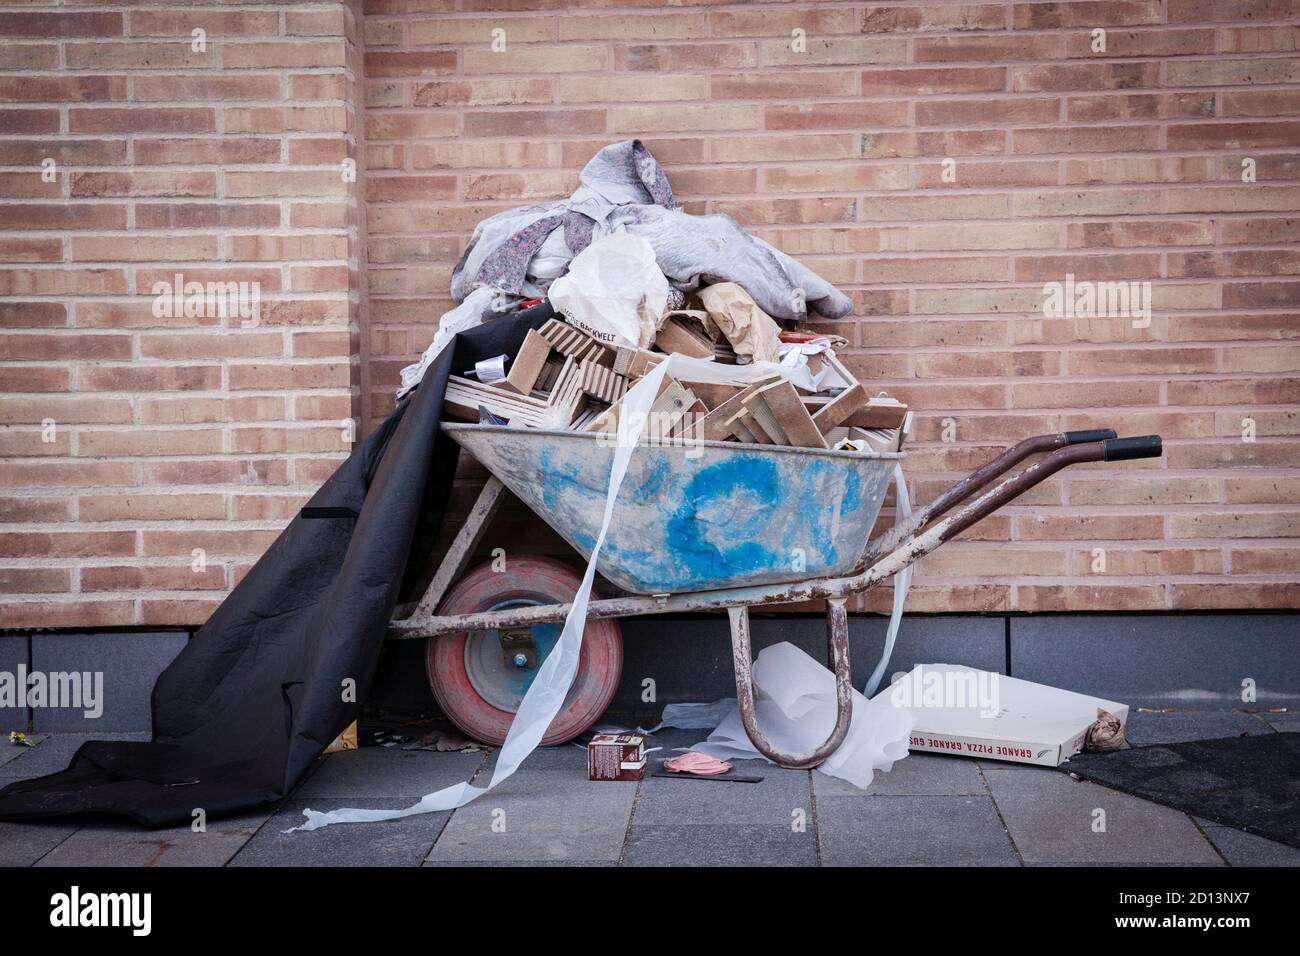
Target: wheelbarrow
697	526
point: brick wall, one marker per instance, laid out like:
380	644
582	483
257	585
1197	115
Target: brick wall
1122	164
147	459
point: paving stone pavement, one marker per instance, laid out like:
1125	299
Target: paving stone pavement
929	810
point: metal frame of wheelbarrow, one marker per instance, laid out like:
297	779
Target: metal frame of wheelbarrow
889	553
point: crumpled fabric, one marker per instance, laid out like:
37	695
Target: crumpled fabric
624	189
620	174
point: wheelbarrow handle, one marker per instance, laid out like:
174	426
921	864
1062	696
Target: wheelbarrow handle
1091	434
1111	449
1126	449
979	478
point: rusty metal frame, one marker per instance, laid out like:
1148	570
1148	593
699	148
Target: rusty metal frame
893	551
837	639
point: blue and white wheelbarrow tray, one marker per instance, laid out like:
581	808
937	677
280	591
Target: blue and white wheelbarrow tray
699	526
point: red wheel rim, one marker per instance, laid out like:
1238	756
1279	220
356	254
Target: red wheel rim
525	580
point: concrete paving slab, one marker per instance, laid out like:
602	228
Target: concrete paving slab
565	757
129	663
775	800
540	815
527	863
102	844
720	845
11	752
919	774
392	843
22	844
1051	818
1146	727
388	772
1246	849
912	831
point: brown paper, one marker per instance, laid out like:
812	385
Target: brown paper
751	331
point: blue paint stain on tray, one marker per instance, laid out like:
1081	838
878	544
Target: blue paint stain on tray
693	518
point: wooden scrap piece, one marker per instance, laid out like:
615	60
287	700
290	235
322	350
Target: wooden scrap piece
837	411
548	376
675	335
567	340
689	427
464	397
713	394
742	427
715	425
779	412
634	363
566	398
666	413
527	365
602	383
881	412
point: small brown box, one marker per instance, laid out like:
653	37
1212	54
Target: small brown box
616	757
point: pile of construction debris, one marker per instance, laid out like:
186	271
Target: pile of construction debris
631	277
563	378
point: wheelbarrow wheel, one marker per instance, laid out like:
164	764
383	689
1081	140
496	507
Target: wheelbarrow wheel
479	678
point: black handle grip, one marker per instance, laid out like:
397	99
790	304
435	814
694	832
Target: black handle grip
1094	434
1126	449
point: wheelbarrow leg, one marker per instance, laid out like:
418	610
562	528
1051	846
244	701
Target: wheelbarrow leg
837	635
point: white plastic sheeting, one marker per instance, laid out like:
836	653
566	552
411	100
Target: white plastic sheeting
613	291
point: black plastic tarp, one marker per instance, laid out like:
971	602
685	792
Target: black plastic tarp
284	664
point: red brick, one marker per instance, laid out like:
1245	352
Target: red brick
74	613
29	121
1075	597
1252	597
75	89
66	544
60	25
176	23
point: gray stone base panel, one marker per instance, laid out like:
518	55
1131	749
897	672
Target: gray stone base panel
116	671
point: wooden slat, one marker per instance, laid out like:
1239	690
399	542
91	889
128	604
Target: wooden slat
463	546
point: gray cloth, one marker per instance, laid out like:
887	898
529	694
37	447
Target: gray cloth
624	189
